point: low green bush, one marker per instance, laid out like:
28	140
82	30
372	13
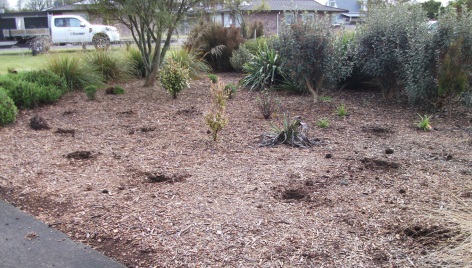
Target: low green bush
174	78
8	110
44	78
240	57
27	94
91	92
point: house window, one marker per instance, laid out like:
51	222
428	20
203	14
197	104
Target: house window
289	19
308	17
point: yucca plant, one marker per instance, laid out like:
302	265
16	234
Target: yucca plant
263	71
323	123
293	132
77	73
111	66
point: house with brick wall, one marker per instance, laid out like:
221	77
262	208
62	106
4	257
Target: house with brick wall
275	13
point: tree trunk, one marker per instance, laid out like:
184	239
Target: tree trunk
312	90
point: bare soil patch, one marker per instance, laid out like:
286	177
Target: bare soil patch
140	180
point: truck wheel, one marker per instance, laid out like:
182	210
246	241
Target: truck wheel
101	41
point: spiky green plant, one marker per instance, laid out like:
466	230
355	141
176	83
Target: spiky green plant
293	132
213	78
230	90
323	123
342	111
424	123
263	71
136	63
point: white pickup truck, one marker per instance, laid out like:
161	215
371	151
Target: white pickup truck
65	29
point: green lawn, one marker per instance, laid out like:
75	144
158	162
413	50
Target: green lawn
21	62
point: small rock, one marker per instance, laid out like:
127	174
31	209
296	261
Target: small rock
389	151
344	182
402	191
105	191
448	157
39	123
328	156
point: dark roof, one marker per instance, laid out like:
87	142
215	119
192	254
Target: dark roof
67	8
23	14
288	5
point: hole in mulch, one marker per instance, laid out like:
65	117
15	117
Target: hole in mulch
160	177
65	131
68	113
143	130
190	111
467	194
296	194
39	123
377	130
370	163
126	112
80	155
429	235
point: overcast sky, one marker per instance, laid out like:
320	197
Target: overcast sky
444	2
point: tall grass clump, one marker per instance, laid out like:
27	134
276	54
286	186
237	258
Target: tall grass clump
196	66
110	65
136	62
76	72
214	43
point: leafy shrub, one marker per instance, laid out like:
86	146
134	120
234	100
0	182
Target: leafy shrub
216	117
44	78
230	90
118	90
214	43
8	110
253	45
174	78
240	57
27	94
267	104
136	63
439	58
91	92
310	55
109	65
213	78
76	72
195	65
384	41
263	71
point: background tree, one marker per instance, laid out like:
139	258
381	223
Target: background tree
458	4
432	9
37	5
151	23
